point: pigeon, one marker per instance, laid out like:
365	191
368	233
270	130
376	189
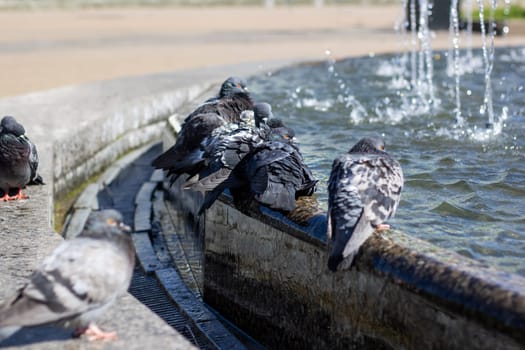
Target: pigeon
262	113
229	87
226	150
364	190
79	280
273	173
225	108
18	160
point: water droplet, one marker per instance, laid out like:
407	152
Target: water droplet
327	52
469	92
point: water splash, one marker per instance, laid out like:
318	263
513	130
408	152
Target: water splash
506	13
469	9
426	67
488	59
453	58
414	43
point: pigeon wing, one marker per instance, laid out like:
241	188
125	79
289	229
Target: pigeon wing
379	179
13	149
192	134
81	275
279	177
345	209
33	163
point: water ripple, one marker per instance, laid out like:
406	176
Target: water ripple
464	184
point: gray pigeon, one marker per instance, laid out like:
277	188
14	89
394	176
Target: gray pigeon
364	190
273	173
79	280
18	160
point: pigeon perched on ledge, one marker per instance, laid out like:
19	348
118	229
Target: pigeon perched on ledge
364	190
18	160
273	173
79	280
227	107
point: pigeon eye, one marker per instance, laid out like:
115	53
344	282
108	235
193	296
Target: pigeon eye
381	148
111	222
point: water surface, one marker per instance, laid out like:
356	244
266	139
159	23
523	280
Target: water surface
464	185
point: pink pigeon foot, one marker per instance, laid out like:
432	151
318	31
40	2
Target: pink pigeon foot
17	196
93	332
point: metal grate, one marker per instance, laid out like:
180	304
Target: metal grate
148	291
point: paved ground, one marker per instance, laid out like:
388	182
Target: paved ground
40	50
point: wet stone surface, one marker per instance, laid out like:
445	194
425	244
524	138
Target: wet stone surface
402	293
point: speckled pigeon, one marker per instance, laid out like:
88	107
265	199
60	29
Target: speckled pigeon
232	100
273	174
364	190
18	160
79	280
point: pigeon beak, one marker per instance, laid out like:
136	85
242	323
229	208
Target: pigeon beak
124	227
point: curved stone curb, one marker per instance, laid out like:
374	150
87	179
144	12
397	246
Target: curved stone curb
87	201
79	131
184	300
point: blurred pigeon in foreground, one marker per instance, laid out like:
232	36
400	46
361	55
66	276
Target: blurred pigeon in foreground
227	107
18	159
79	280
364	190
273	174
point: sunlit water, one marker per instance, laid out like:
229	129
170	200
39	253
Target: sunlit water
464	185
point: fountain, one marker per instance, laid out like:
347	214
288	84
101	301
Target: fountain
434	120
269	274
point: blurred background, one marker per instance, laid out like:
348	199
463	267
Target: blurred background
51	43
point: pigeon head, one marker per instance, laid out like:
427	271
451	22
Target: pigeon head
104	222
231	86
246	118
262	113
280	132
9	125
368	145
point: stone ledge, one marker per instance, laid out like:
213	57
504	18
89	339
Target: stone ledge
72	114
402	292
76	114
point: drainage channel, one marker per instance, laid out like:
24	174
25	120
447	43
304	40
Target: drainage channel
168	275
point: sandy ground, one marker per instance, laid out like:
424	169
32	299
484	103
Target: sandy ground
46	49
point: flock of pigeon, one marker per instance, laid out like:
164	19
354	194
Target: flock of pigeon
228	142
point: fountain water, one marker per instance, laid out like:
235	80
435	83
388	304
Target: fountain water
455	175
488	59
453	56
